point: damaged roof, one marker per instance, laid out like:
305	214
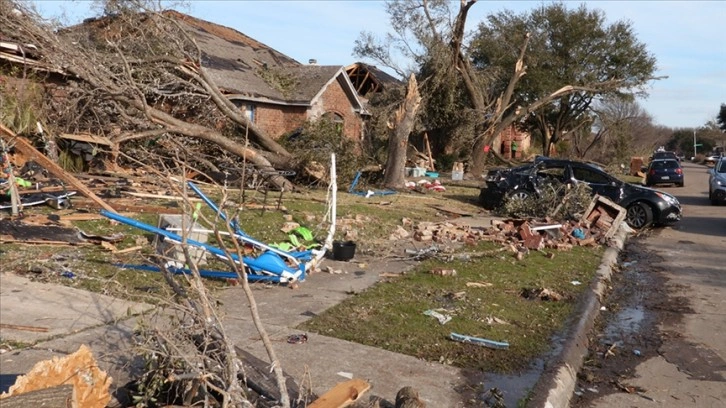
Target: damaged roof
369	78
245	68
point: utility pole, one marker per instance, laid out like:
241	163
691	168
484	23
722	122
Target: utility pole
694	143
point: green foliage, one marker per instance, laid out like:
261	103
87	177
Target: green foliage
721	118
70	162
19	102
313	144
278	79
566	47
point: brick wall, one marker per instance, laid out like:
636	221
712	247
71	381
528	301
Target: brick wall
277	120
334	99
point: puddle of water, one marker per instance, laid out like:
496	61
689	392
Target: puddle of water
515	387
512	387
623	325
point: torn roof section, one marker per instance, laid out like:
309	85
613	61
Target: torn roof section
369	79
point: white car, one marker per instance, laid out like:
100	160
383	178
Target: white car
712	159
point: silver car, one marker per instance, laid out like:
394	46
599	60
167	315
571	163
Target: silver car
717	182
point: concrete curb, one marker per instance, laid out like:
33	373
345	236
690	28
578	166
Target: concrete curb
557	383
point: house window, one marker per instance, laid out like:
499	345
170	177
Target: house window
250	111
247	109
336	119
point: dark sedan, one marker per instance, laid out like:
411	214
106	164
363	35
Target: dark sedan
645	206
664	171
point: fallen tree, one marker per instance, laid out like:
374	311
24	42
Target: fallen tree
138	72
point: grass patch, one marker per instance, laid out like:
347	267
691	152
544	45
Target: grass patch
389	315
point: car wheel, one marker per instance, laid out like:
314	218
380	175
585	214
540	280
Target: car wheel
519	195
639	215
681	184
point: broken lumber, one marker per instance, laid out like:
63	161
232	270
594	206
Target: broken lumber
258	377
342	395
32	153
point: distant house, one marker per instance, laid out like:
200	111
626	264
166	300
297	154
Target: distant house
513	137
276	92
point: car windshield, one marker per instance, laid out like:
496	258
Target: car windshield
665	164
721	167
663	155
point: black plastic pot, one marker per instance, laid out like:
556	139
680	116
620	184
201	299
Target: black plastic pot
343	250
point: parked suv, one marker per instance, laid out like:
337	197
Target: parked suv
717	182
664	171
645	206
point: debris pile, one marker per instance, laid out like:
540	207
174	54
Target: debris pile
600	222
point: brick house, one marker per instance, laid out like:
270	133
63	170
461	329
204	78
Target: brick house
276	92
510	136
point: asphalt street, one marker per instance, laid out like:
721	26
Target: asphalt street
690	368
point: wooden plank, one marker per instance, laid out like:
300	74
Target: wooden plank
258	376
86	138
429	156
342	395
32	154
23	328
452	210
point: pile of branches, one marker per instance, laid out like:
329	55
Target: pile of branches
556	200
137	74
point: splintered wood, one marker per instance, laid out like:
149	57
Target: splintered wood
342	395
80	370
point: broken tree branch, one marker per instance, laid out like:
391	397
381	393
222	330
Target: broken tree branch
33	154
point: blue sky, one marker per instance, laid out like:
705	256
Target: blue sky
685	36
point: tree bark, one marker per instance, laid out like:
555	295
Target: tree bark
60	396
404	121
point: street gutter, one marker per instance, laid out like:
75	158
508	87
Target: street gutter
556	385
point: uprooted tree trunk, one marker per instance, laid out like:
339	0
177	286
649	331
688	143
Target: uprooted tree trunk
140	72
403	123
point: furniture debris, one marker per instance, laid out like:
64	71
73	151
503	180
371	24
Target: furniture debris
270	263
605	215
368	193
